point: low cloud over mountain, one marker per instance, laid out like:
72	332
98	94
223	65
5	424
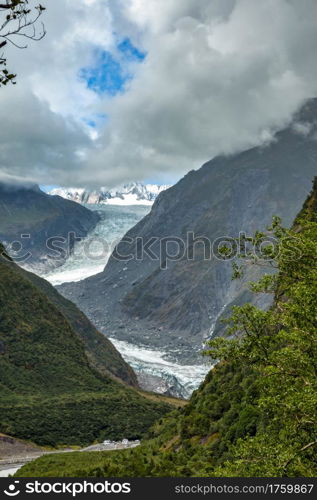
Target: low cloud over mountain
140	89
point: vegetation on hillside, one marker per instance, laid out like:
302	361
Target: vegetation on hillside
255	414
49	392
101	353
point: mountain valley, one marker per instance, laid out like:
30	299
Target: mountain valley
176	304
239	423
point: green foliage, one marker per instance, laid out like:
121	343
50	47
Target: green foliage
80	418
255	414
280	345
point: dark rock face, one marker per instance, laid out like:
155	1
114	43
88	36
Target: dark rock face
30	217
177	307
157	384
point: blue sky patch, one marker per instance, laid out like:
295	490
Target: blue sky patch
95	120
107	76
47	189
111	72
130	52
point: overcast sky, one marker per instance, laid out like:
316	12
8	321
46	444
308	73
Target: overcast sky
124	90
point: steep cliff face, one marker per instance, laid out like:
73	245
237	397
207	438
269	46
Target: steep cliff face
140	300
30	217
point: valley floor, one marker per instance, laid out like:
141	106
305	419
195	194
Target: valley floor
174	372
11	463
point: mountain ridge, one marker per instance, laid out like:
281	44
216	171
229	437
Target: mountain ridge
101	353
29	217
134	193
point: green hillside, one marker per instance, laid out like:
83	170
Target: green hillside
255	414
101	353
49	392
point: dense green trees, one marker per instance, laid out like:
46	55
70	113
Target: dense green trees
281	347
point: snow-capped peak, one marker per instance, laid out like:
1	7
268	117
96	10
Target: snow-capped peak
134	193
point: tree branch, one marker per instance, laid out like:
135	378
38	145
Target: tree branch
8	5
18	21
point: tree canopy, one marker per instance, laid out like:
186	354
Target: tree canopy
18	25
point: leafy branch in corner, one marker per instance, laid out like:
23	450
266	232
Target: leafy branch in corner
18	24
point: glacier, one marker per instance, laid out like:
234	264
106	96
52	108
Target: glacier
114	222
181	380
156	370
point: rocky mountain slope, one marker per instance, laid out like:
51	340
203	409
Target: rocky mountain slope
134	193
55	388
30	217
176	304
255	414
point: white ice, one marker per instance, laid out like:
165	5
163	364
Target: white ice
155	362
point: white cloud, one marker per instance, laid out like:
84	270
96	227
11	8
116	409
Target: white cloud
219	77
37	144
303	128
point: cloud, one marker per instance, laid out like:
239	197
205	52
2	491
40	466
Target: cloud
303	128
218	77
37	144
